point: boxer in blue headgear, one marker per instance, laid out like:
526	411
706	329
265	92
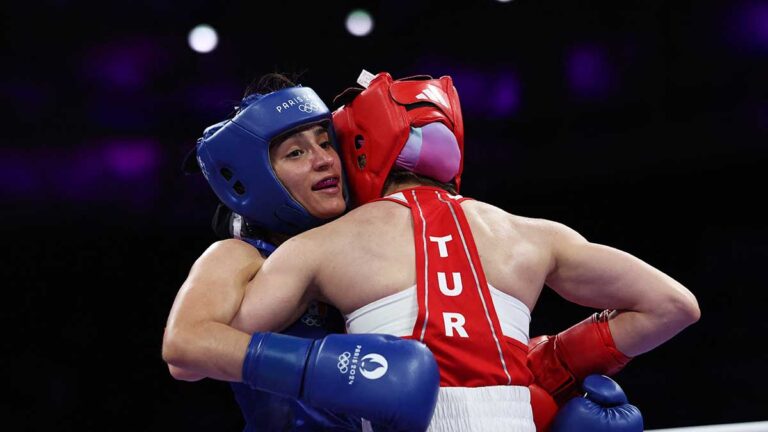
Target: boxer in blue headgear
274	163
234	156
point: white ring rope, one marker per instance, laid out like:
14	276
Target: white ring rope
735	427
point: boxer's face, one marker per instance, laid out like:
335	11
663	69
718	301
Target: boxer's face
310	169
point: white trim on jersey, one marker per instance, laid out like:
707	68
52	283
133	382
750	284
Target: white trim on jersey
398	196
426	267
396	315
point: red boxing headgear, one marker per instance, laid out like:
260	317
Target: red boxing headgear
374	126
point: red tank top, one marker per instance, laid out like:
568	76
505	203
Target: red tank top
456	318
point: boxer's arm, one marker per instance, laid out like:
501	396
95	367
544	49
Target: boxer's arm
382	378
652	307
281	290
198	341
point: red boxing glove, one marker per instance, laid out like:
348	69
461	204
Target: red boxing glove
543	406
559	363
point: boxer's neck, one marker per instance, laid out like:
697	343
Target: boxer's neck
397	187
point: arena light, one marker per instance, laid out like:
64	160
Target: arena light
89	172
359	22
588	70
130	158
203	38
749	27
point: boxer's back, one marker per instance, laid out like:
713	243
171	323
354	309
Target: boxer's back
369	253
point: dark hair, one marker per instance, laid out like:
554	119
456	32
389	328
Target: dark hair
270	82
398	176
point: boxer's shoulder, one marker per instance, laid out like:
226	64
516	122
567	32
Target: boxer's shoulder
229	253
374	221
231	245
516	226
497	223
377	211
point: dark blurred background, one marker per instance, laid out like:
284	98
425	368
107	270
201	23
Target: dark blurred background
641	124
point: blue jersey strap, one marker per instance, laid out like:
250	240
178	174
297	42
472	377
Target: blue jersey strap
262	245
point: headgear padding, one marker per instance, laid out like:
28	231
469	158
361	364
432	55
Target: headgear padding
431	150
375	125
234	157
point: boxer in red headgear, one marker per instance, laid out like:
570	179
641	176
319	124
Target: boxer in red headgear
415	124
478	273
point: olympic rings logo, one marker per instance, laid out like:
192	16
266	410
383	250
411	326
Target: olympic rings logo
313	320
343	364
309	107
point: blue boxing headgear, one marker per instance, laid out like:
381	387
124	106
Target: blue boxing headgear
234	157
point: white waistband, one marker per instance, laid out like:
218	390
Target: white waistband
396	315
480	409
486	409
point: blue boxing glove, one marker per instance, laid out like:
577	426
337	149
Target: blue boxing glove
268	412
603	408
384	379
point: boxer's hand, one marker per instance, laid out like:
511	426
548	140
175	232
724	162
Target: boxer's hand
603	408
382	378
560	362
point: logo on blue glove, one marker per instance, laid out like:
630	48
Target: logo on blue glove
343	364
373	366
